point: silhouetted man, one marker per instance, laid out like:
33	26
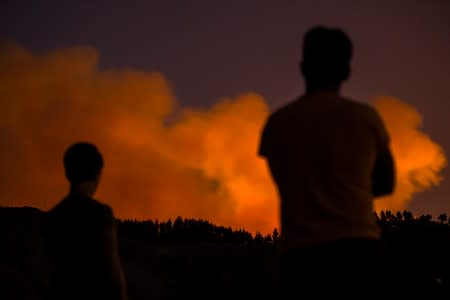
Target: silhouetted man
80	234
329	157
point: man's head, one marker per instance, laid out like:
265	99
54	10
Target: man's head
83	164
327	53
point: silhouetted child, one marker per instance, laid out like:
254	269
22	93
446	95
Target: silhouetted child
329	157
80	235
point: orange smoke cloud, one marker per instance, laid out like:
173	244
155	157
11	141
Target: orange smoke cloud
201	163
418	159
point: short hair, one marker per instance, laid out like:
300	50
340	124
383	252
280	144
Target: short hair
82	162
327	53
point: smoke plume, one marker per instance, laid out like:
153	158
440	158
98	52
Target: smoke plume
418	159
158	163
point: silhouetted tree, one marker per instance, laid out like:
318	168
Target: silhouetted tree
399	216
383	217
162	229
169	225
389	215
178	224
442	218
259	239
377	218
157	227
275	236
425	218
268	239
407	216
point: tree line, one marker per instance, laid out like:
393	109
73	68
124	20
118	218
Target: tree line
199	230
191	230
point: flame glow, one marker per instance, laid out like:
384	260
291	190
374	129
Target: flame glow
201	164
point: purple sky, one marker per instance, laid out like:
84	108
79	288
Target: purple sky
210	49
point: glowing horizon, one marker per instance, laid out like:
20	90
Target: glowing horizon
202	165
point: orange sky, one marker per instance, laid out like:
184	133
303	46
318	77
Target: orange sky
201	164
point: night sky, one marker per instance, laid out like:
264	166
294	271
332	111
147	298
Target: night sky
214	49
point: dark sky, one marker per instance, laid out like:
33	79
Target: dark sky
211	49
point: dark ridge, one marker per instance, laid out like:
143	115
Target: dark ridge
191	258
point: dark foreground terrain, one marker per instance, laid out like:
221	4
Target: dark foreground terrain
194	259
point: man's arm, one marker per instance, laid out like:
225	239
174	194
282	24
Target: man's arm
109	242
265	141
383	176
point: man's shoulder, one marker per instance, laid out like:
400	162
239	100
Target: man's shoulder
100	206
99	210
284	111
360	107
102	215
88	208
367	114
294	107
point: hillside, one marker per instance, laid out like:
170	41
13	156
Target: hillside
187	258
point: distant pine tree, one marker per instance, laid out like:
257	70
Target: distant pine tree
442	218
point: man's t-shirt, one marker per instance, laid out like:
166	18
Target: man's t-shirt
76	256
321	150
